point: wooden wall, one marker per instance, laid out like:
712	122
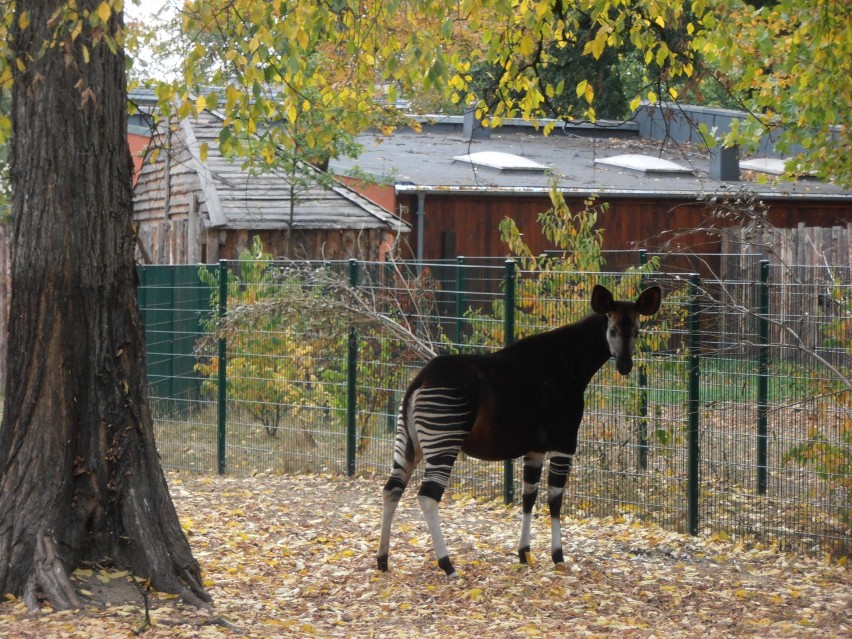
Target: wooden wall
460	224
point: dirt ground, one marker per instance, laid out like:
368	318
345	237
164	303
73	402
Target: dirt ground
293	556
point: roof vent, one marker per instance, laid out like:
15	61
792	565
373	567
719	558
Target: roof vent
503	162
472	128
643	163
725	163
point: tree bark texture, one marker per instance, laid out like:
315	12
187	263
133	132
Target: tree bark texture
80	478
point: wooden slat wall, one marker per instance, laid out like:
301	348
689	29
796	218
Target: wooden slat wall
661	224
805	262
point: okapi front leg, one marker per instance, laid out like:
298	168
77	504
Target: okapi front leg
532	475
560	468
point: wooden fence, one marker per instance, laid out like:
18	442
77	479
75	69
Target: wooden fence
808	268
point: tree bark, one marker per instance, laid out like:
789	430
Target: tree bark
80	478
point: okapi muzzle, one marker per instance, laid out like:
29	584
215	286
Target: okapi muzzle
623	322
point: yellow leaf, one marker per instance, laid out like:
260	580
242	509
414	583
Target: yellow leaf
599	43
200	103
652	97
24	20
202	151
635	102
527	45
104	11
673	93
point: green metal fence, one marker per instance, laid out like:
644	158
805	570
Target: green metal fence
736	421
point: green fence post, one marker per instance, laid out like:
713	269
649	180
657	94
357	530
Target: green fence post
508	338
223	369
694	406
351	382
643	391
762	375
460	299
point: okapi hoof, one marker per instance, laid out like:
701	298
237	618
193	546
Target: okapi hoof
524	555
382	560
558	558
447	566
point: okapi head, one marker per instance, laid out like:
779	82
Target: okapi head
623	321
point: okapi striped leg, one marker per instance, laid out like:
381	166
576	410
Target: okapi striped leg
560	468
404	461
532	476
435	479
443	417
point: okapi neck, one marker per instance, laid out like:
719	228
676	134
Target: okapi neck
587	349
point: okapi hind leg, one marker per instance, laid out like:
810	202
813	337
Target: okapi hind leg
429	498
532	476
560	468
405	459
391	495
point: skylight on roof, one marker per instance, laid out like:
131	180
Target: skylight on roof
772	166
644	163
500	161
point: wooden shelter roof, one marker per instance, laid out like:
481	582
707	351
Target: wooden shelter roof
237	197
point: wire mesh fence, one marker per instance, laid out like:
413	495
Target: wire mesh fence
735	421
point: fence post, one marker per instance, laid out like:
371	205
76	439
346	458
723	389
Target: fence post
762	375
643	390
694	407
508	338
460	300
222	379
351	382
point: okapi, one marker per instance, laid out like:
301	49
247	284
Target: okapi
524	400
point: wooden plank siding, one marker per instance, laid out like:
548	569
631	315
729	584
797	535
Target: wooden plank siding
189	209
656	224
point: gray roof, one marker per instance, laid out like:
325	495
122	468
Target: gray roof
424	161
238	198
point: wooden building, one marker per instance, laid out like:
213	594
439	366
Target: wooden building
454	188
191	210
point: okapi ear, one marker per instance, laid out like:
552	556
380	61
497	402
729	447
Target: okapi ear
648	302
602	301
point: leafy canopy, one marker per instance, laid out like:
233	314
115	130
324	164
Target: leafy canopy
302	78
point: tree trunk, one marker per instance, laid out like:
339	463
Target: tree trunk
80	478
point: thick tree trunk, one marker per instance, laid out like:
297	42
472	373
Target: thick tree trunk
80	479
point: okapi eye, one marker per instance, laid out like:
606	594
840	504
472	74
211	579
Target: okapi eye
612	332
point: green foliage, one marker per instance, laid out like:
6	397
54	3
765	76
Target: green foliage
287	330
275	365
830	457
788	63
306	77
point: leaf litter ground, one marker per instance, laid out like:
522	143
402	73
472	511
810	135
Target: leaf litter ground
293	556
